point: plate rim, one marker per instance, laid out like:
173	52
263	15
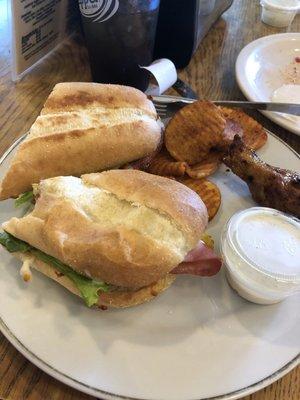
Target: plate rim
240	74
82	387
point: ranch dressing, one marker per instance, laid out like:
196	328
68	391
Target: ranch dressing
261	250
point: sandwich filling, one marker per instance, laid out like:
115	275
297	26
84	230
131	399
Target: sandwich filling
200	261
87	287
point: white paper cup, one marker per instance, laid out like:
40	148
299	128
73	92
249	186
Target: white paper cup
279	13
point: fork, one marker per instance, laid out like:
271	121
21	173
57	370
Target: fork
167	106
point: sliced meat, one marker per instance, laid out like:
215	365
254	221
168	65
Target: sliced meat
200	261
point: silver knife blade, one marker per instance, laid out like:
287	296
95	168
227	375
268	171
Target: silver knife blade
288	108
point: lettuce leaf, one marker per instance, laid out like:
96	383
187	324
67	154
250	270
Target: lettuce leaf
24	198
13	244
87	287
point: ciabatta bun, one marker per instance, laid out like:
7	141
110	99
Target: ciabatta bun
121	298
124	227
83	128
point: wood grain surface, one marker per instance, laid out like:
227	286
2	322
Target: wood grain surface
210	73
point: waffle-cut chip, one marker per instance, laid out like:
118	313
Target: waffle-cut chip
206	167
163	164
194	131
209	193
254	135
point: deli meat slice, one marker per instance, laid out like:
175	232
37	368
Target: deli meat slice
200	261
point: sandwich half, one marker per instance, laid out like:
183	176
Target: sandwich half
84	128
116	238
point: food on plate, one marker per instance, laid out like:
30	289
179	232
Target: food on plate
232	128
194	131
200	133
115	238
206	167
254	135
143	163
163	164
270	186
208	191
83	128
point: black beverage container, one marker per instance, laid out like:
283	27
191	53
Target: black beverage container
182	25
120	36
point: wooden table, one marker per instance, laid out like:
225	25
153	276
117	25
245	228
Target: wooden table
210	73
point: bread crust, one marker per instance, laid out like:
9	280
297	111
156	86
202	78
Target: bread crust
118	255
78	152
85	149
117	299
183	205
74	96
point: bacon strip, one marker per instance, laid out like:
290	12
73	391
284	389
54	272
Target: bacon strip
200	261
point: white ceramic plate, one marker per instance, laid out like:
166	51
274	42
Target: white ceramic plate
266	64
198	340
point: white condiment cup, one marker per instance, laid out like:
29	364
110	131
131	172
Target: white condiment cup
279	13
261	251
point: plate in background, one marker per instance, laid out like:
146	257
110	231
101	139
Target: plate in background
198	340
266	64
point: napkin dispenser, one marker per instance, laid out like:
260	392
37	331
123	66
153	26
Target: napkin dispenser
182	25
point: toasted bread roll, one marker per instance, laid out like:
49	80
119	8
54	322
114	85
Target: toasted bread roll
124	227
83	128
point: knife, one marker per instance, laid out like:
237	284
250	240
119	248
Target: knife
288	108
173	103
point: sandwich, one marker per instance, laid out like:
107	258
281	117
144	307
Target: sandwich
84	128
116	238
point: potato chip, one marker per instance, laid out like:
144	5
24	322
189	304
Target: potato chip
163	164
194	131
209	193
206	167
254	135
